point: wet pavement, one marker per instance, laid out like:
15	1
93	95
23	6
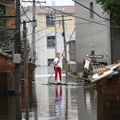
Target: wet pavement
43	102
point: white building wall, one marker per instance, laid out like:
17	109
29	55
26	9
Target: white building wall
43	53
90	36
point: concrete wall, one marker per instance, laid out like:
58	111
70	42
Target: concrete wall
43	53
115	43
89	36
115	48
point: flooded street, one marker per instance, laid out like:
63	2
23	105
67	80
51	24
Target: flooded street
43	102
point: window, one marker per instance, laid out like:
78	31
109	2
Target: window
2	9
92	52
49	20
50	41
50	61
91	7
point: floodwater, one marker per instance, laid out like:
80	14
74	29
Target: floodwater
43	102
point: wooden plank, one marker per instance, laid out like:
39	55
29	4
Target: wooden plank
87	80
63	83
103	76
94	80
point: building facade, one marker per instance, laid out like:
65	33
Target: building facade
45	31
91	38
5	8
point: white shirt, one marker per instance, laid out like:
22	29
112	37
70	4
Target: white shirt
60	62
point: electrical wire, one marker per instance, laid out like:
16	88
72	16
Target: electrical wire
26	15
11	5
92	38
90	10
70	14
66	13
76	16
53	31
46	35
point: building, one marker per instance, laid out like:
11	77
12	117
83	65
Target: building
6	7
45	31
100	38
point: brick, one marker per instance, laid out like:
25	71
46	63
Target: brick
107	104
118	111
108	91
117	104
109	97
118	97
7	82
7	64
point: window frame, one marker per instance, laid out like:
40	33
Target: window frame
48	18
91	8
93	52
51	41
52	60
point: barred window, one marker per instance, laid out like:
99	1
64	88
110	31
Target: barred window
50	41
49	20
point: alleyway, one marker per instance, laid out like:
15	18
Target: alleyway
51	102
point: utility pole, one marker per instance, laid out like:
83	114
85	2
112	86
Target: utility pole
33	40
63	25
55	35
33	36
33	50
25	51
17	50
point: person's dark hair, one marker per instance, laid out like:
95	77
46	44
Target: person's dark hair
57	53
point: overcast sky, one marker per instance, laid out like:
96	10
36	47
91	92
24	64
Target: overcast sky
60	2
57	2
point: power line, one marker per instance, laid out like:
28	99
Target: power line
76	16
11	5
46	35
38	31
92	38
26	14
71	15
90	10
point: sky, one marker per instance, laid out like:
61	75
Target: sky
60	2
57	2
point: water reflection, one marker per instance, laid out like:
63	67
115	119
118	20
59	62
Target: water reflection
87	106
10	108
59	102
42	102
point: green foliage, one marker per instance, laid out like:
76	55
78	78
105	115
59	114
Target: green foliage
4	33
112	7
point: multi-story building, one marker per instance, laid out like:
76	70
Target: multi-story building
98	38
45	31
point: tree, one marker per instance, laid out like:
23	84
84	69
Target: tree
4	32
112	7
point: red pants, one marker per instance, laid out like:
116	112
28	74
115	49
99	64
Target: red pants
56	90
58	69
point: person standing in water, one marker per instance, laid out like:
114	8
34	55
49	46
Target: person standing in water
58	66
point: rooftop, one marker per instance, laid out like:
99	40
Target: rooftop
39	9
